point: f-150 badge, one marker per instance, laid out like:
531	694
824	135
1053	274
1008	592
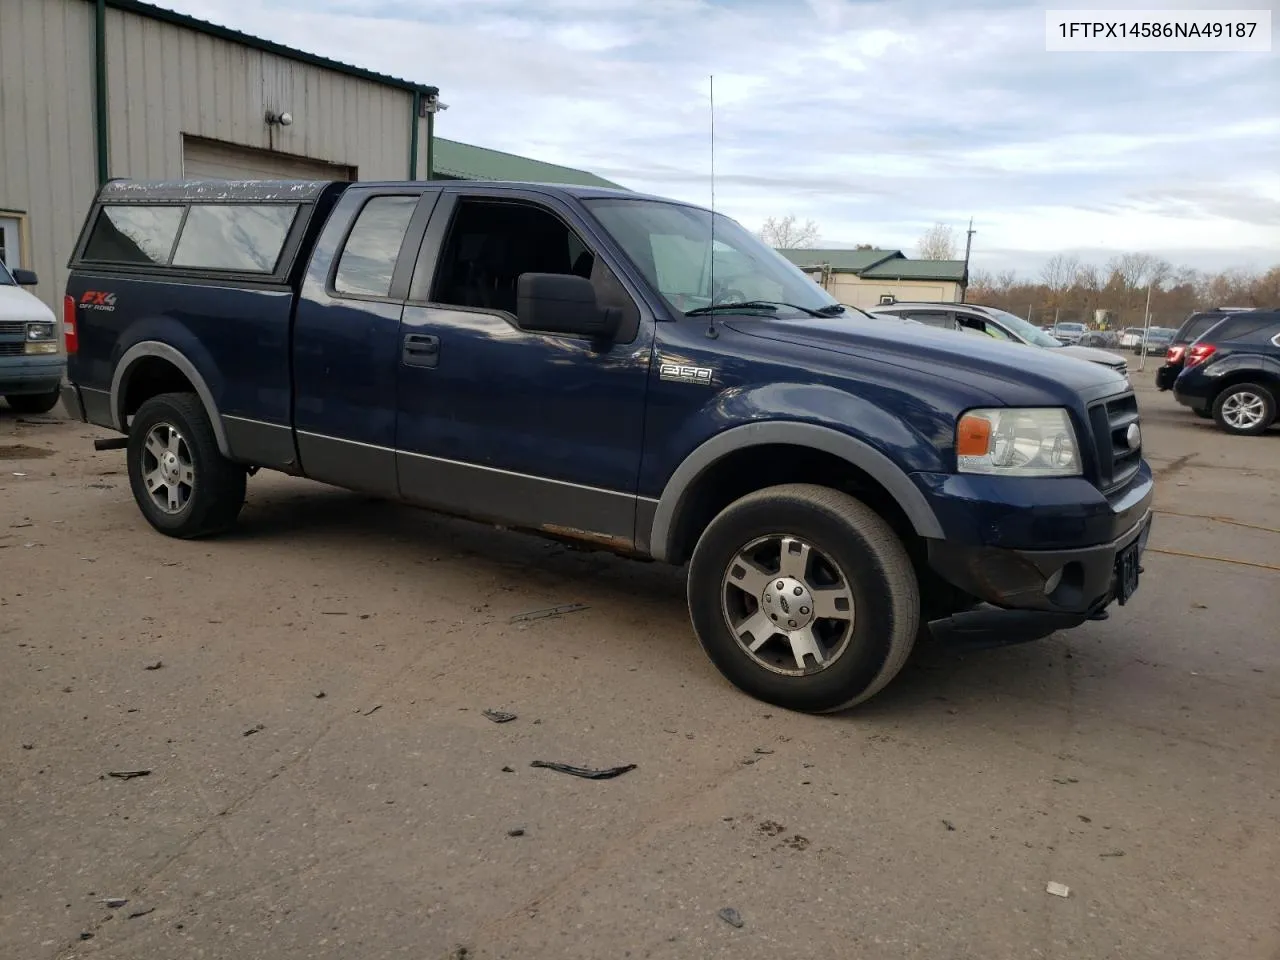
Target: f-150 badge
681	373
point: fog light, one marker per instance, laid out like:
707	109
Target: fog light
1051	584
38	347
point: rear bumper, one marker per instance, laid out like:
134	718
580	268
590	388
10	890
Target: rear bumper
1166	375
31	374
1017	579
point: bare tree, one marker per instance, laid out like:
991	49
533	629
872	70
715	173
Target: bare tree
1006	280
1135	271
787	233
1060	273
938	243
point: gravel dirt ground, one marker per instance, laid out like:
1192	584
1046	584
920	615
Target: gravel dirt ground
307	695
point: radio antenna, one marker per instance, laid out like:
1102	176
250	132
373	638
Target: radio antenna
711	316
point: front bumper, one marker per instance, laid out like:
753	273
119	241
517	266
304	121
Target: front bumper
33	374
1017	579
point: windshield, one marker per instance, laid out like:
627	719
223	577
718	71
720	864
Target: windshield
1027	331
5	279
671	245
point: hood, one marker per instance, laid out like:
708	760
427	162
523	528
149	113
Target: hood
17	304
1016	374
1093	355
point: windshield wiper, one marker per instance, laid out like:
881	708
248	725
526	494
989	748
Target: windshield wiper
754	305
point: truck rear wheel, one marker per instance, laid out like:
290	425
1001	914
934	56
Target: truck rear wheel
181	482
804	597
1245	408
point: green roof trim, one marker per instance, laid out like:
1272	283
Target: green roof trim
878	264
151	11
904	269
839	260
464	161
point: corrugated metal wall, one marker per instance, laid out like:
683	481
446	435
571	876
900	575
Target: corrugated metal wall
47	167
164	81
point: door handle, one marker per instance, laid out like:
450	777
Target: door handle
420	350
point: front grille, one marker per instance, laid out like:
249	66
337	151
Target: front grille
13	328
10	349
1110	420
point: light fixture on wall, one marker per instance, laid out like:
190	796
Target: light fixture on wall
283	119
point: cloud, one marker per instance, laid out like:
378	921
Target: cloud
873	118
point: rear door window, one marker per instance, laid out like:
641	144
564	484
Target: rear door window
134	233
931	317
243	237
373	245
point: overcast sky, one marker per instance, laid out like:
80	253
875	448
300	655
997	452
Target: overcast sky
873	119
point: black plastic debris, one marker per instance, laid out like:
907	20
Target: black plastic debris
321	695
499	716
549	612
508	770
517	832
141	913
949	825
154	666
86	935
128	774
372	710
114	903
587	773
762	751
730	916
256	728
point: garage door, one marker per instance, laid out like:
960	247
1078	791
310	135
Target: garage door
213	160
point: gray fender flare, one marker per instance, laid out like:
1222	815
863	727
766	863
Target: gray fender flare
154	348
862	455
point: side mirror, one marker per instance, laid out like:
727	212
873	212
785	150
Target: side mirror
24	278
563	303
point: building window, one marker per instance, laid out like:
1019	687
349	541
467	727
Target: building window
133	233
369	257
244	237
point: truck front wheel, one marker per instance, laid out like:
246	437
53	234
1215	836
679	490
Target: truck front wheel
804	597
181	482
33	402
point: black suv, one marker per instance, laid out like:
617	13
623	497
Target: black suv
1232	373
1192	328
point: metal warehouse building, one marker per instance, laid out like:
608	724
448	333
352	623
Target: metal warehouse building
95	89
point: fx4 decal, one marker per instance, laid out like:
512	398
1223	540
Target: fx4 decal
98	300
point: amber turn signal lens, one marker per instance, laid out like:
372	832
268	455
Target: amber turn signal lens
973	436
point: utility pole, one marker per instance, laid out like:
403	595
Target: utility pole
1146	330
968	246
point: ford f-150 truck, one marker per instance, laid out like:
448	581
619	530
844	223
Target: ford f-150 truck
617	370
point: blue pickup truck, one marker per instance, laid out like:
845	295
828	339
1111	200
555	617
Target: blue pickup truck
620	371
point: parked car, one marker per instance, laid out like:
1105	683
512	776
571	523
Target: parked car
31	363
1102	339
1131	336
1069	332
553	359
999	325
1232	373
1157	340
1192	328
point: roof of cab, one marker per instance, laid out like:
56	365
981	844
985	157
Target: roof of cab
124	191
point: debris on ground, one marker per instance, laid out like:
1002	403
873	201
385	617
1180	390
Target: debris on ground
459	953
256	728
128	774
499	716
508	770
320	695
154	666
1113	853
20	526
28	746
141	913
517	832
730	916
1084	819
949	825
114	903
762	751
372	710
1057	889
587	773
549	612
797	842
86	935
770	828
1065	780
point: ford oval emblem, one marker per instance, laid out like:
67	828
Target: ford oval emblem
1133	436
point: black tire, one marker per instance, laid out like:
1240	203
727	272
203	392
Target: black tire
859	546
33	402
216	492
1234	395
1205	414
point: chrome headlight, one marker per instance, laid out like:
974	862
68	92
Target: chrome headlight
1018	442
40	331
